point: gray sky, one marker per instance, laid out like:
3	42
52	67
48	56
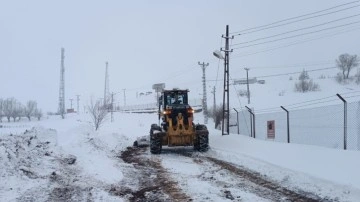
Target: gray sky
147	42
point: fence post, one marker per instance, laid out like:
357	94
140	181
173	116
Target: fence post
252	121
288	124
237	121
345	120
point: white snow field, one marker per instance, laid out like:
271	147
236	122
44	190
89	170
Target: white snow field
37	162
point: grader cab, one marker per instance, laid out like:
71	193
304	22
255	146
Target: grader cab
176	127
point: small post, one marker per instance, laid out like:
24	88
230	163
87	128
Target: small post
124	97
237	121
345	119
247	82
112	107
288	123
78	99
71	103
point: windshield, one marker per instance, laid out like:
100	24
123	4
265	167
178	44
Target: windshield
176	98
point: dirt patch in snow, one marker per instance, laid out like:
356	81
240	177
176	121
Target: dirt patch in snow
154	182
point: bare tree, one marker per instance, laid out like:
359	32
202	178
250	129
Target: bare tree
38	114
1	109
9	107
305	83
31	107
345	63
357	77
217	114
18	111
97	112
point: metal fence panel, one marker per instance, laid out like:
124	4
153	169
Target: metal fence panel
244	123
280	126
321	126
353	130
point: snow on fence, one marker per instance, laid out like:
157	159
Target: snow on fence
321	126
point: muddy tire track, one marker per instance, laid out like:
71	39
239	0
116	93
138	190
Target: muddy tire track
255	182
264	187
154	181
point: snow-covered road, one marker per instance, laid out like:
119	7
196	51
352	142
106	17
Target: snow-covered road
65	160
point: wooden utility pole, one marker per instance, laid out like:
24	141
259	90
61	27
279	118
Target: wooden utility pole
213	92
78	100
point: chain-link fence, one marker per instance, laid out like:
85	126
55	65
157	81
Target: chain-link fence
333	126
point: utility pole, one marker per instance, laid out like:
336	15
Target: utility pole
78	100
247	81
226	111
62	85
124	96
71	103
112	107
204	104
106	89
213	92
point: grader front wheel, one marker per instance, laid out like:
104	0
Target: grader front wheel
155	144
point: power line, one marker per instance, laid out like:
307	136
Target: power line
296	30
284	74
294	104
314	103
292	65
298	35
310	102
352	96
313	70
292	18
294	43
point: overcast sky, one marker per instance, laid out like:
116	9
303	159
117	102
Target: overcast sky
160	41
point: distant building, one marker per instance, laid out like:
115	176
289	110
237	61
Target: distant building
244	81
261	81
70	111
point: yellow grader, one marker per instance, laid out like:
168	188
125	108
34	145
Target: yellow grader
176	127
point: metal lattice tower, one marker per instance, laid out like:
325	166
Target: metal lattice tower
106	90
226	111
61	109
203	67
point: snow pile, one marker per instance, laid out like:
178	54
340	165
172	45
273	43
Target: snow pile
36	165
26	160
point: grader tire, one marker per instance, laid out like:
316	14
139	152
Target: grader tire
155	140
196	144
202	141
155	144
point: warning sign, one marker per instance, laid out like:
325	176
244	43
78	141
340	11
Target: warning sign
271	129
